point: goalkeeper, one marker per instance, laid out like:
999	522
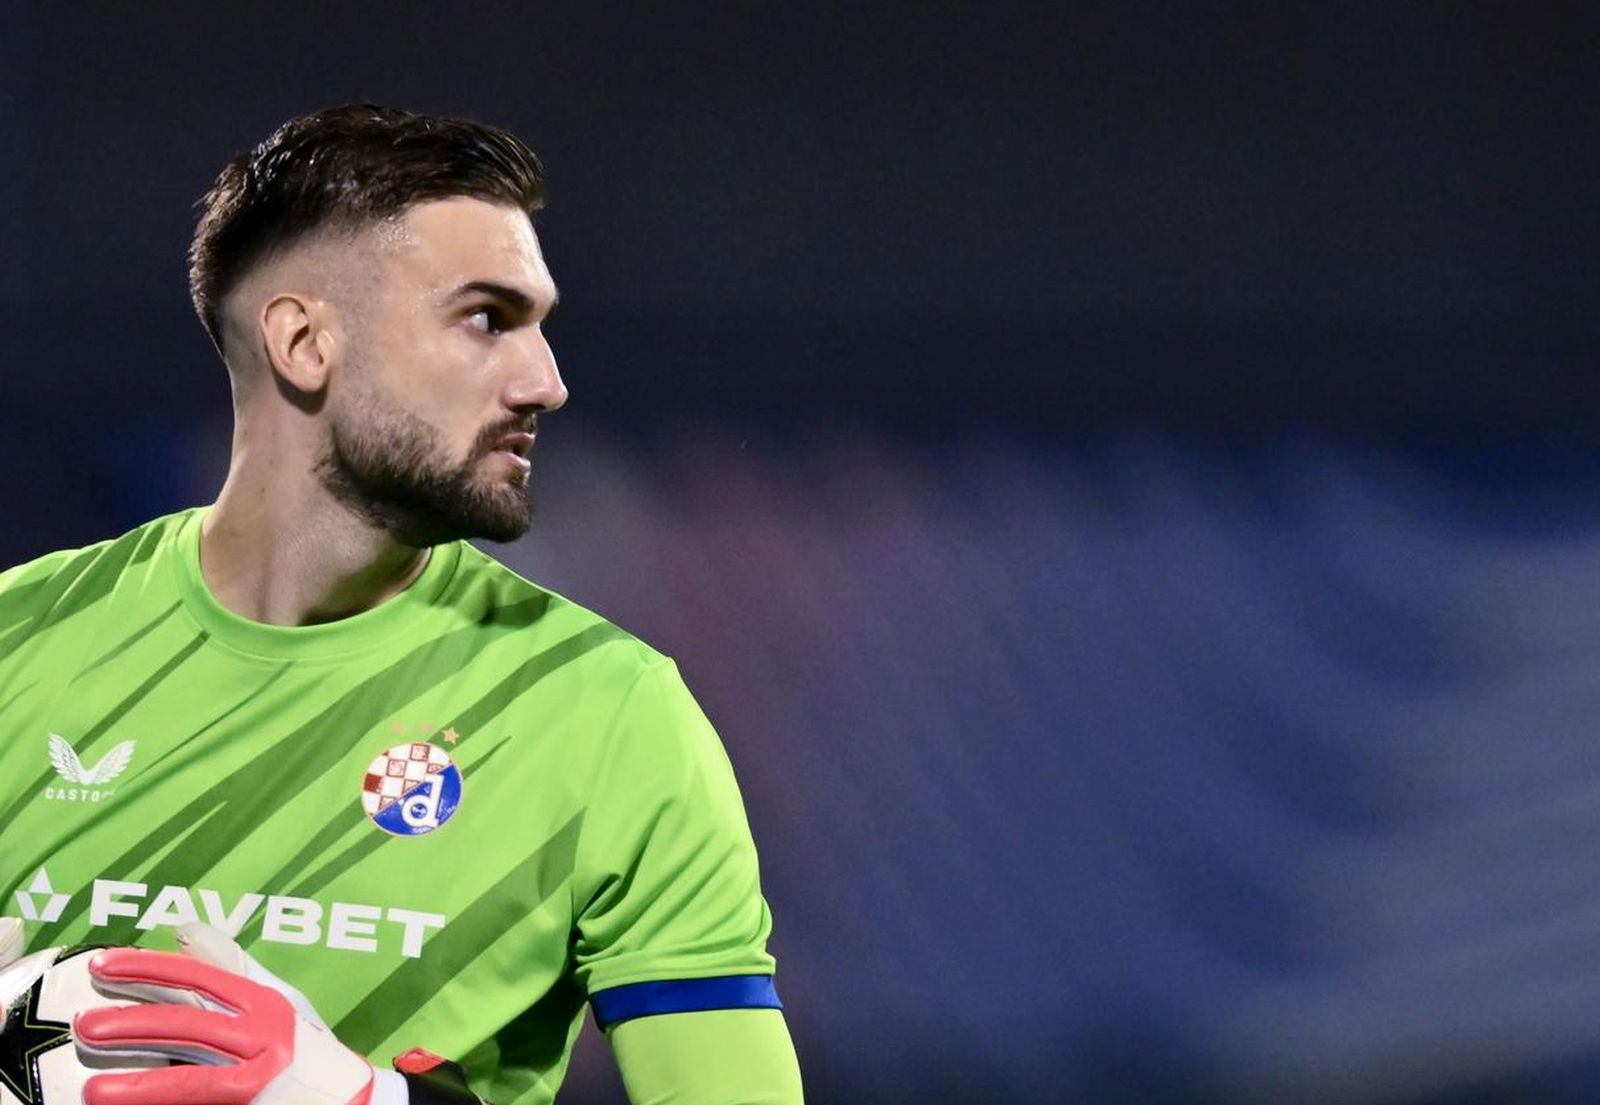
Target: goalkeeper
311	721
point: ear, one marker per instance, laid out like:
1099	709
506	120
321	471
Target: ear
298	340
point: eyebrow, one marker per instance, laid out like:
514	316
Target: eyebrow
515	298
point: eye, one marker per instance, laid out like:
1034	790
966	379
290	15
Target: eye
486	320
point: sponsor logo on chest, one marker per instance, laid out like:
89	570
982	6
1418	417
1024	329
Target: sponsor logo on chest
285	919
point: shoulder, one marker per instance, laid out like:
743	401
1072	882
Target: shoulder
498	598
84	574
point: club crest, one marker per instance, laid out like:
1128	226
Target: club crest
411	789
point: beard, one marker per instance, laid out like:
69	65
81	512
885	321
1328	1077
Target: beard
393	469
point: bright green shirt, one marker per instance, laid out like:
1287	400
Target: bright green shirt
450	820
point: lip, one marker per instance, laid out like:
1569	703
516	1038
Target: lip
514	447
519	444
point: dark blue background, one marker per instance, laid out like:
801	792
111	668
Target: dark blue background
1121	476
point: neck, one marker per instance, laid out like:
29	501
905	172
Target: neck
282	550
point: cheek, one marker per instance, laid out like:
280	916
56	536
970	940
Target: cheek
431	376
443	376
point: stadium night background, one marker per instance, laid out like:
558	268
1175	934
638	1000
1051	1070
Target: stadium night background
1123	478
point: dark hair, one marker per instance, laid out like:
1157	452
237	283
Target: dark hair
344	168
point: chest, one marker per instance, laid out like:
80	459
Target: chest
349	825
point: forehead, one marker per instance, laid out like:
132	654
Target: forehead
441	244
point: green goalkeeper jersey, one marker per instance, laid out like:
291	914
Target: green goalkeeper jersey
451	820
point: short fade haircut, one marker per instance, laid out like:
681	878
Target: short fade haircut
345	168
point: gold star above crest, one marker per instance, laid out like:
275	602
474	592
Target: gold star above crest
399	728
451	736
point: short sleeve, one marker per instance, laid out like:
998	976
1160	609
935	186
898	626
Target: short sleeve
666	884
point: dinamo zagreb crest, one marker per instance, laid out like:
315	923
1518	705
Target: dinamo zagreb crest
411	789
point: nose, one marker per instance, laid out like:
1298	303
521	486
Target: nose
535	384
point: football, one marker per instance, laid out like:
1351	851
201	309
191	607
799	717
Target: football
39	994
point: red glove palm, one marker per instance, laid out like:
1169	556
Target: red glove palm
253	1038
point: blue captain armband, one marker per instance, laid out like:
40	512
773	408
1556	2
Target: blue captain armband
686	995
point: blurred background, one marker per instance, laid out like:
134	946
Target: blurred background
1123	477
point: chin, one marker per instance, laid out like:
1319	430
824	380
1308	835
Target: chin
505	515
502	530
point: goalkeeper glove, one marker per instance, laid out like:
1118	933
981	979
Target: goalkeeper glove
11	941
253	1038
11	944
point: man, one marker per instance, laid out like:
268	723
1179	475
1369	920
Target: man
447	805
